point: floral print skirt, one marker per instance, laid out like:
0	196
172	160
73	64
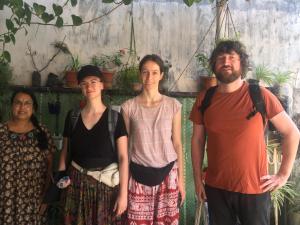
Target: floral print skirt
89	202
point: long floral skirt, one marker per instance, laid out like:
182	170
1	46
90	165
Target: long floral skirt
89	202
157	205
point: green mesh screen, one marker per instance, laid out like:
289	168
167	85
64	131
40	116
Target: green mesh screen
69	100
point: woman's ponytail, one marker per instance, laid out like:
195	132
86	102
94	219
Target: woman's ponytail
41	135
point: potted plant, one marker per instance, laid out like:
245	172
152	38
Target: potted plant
285	193
208	79
54	105
107	65
71	72
36	74
279	79
128	78
72	68
262	74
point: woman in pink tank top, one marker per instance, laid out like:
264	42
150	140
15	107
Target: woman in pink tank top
153	121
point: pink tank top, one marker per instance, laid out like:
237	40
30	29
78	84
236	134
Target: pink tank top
150	138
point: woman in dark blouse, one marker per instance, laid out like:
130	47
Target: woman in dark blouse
26	153
89	201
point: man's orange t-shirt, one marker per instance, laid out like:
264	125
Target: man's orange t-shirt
236	150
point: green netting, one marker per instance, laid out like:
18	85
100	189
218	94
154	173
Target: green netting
70	100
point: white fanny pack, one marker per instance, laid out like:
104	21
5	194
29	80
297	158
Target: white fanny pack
109	175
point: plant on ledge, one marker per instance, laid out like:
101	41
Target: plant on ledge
203	61
108	62
108	65
208	80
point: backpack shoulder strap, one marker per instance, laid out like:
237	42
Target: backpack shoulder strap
207	99
112	123
75	113
258	102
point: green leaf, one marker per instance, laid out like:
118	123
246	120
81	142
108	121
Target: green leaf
39	9
6	38
46	17
127	2
58	10
73	2
59	22
2	2
77	21
9	24
6	56
28	14
20	12
188	2
107	1
12	38
16	4
15	30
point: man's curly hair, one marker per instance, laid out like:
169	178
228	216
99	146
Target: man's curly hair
227	47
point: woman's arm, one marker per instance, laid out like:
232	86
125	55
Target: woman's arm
121	203
63	155
126	120
176	138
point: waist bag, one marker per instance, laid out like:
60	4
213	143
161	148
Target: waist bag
109	175
149	176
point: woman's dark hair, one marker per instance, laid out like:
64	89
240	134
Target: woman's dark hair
41	135
153	58
227	47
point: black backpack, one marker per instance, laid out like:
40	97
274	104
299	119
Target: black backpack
256	97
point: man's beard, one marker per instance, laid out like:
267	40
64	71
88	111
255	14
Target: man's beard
226	78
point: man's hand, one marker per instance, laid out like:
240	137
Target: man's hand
200	192
272	182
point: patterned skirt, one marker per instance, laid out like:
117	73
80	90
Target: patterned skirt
89	202
157	205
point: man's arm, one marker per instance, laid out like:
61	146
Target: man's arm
198	147
290	140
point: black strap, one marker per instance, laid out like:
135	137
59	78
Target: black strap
112	123
258	102
207	99
75	113
256	97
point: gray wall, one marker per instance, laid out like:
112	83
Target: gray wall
269	29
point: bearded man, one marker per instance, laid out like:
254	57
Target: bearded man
237	183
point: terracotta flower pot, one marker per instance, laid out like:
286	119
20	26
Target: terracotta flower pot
207	82
71	79
108	78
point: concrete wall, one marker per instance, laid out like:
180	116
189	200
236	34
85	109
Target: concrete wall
269	29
